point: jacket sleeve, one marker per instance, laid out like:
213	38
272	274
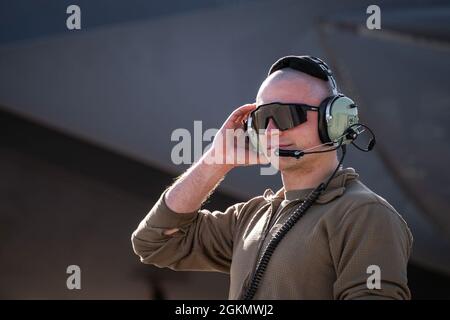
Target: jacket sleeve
371	241
204	241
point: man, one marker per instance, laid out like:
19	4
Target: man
350	244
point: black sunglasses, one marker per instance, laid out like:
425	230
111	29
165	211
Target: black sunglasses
284	115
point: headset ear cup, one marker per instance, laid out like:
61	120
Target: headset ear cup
343	113
323	125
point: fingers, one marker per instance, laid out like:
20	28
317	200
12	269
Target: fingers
246	108
242	112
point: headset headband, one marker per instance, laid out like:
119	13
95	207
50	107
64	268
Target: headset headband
313	66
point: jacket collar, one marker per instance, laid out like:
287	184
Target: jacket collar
335	189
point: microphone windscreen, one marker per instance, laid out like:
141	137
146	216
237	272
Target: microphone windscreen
289	153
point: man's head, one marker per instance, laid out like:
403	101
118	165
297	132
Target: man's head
291	86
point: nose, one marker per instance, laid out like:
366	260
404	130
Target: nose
271	125
272	128
272	133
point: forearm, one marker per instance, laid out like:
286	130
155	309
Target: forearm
194	186
204	241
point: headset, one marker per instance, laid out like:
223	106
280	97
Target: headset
338	122
338	126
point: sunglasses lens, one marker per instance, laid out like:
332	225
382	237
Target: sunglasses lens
285	116
261	118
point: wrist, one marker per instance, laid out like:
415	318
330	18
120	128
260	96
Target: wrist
211	161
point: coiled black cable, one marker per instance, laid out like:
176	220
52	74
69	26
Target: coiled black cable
290	222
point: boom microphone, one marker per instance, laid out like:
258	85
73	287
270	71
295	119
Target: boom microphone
350	134
290	153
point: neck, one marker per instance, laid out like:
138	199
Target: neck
308	177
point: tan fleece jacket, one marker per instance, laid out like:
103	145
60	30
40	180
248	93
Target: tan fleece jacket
326	255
